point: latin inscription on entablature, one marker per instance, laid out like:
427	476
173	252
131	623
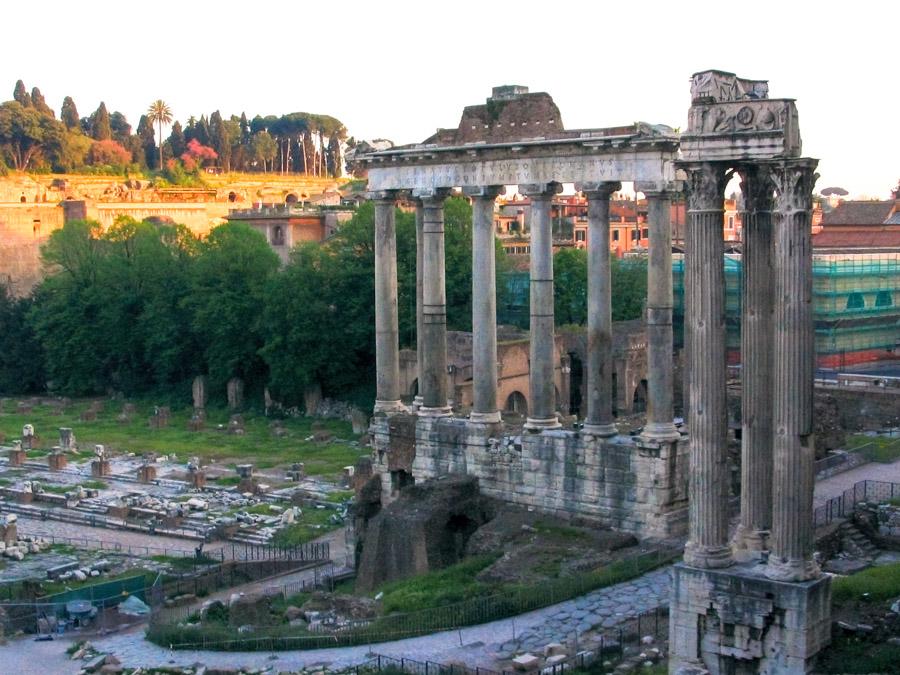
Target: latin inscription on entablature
645	166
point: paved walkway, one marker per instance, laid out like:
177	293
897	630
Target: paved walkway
477	645
835	486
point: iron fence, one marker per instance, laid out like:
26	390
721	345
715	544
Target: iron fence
399	626
843	505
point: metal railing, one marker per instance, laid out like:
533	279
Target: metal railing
423	622
843	505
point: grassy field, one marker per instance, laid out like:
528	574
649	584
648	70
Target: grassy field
310	524
257	445
872	585
876	448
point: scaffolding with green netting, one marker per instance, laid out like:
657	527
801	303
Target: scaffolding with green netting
856	304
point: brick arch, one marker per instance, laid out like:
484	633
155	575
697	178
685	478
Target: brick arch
516	402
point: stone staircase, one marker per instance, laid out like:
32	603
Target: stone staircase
855	543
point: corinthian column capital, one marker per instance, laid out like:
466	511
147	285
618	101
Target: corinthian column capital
705	185
794	181
757	187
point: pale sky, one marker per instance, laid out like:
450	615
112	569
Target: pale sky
399	70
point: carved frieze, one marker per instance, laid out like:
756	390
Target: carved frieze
720	86
728	118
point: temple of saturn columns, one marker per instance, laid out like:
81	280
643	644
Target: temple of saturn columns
749	603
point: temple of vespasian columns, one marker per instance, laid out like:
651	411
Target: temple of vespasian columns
751	603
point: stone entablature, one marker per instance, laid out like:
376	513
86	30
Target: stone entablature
589	159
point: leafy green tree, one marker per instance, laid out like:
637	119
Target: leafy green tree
101	130
629	287
160	113
67	149
322	305
21	354
570	286
23	133
129	286
20	94
263	148
68	114
231	276
119	126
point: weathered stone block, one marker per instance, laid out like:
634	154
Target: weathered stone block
736	618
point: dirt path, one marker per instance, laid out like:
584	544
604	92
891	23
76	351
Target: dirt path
835	486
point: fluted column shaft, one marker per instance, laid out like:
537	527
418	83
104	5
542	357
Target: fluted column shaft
660	424
387	345
599	420
433	384
707	545
752	535
484	307
542	409
790	558
420	254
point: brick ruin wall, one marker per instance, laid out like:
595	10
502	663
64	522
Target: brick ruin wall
621	483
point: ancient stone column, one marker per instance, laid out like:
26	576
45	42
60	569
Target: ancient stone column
542	409
420	244
484	306
433	382
791	549
387	344
660	425
599	419
752	534
707	545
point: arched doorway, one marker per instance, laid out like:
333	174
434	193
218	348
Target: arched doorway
291	199
414	388
516	403
232	196
640	397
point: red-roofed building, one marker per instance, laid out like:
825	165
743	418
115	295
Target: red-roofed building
860	226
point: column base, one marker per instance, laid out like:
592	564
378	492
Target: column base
537	424
708	558
443	411
803	569
660	431
389	407
485	417
749	544
600	430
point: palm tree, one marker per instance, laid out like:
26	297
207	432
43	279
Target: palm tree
160	113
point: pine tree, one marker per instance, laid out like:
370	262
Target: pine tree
100	127
21	95
148	137
69	113
37	100
177	142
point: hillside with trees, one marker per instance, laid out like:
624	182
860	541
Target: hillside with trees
32	139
